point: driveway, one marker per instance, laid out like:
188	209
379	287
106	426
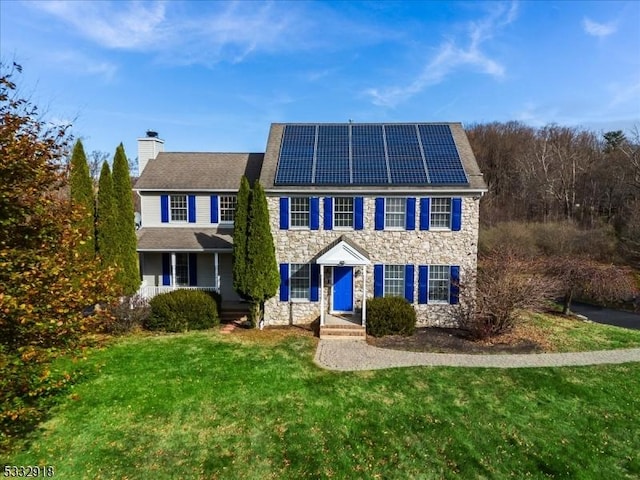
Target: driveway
608	316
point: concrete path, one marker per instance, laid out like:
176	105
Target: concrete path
349	355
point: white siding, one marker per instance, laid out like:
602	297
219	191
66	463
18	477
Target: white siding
203	210
152	215
150	211
206	270
226	279
151	266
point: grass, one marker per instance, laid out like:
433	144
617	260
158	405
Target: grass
253	405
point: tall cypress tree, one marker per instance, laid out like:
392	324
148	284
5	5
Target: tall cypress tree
264	279
240	226
106	219
81	187
127	254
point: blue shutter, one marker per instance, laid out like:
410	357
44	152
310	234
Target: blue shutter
411	213
359	213
284	213
191	210
314	211
214	209
328	213
164	208
379	213
454	290
166	269
378	280
193	269
315	282
423	284
408	283
424	214
456	214
284	282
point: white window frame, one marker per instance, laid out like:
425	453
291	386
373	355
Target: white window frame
299	213
226	204
182	268
175	198
397	201
294	275
443	282
339	200
390	274
440	207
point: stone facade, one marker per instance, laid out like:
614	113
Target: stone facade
389	247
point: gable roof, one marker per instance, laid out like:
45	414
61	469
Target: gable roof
270	178
343	251
199	171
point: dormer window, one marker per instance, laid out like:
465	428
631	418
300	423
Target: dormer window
178	208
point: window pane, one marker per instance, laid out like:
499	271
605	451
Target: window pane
343	212
178	208
441	213
228	208
182	269
299	282
394	280
394	212
439	283
300	211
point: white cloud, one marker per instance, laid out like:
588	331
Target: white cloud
451	57
81	64
598	29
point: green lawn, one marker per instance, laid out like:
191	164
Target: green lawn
202	405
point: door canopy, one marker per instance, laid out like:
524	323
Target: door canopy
343	252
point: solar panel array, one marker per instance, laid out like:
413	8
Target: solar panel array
369	154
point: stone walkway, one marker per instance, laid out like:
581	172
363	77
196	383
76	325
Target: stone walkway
347	355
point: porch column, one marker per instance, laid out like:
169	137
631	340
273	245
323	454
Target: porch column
321	295
216	273
173	269
364	296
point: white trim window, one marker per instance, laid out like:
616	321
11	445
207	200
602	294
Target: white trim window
178	208
439	281
394	280
395	212
300	212
182	269
299	281
440	213
227	208
343	212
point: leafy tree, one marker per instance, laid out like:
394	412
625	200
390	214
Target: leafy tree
128	275
107	222
82	197
43	288
264	279
240	230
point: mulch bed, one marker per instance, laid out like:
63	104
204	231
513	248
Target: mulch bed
452	340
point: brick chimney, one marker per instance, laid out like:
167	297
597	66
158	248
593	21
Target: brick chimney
148	149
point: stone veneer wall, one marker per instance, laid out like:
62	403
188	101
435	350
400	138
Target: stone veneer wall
416	247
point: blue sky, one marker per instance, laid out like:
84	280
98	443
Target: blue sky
212	76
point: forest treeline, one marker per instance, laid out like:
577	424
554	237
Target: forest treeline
566	175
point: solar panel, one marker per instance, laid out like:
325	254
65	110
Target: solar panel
332	155
369	154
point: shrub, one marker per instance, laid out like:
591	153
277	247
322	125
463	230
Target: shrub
125	316
390	316
182	310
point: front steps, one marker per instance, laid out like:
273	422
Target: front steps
342	332
237	312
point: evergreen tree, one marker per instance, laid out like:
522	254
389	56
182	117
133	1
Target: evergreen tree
106	219
263	278
129	276
240	227
82	199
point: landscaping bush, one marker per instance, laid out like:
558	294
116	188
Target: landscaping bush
182	310
390	316
127	315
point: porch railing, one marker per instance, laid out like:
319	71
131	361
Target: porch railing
148	292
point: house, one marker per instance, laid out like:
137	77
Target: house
356	211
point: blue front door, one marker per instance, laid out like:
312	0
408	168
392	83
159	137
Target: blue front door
343	289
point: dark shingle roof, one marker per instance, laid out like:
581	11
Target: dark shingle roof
199	171
187	239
